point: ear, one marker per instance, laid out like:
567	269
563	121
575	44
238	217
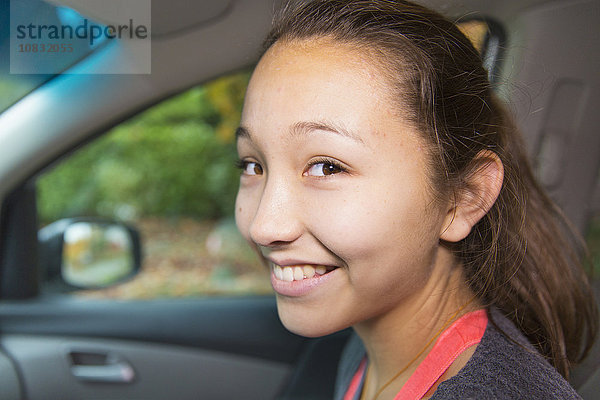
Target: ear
475	199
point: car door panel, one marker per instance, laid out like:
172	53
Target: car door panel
210	348
152	371
10	385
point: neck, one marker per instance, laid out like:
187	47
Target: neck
395	339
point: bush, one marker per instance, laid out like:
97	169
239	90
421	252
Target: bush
175	159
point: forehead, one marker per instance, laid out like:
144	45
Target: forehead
318	50
321	59
319	80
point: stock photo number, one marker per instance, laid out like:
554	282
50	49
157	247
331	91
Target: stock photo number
45	48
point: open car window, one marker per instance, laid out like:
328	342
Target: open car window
170	173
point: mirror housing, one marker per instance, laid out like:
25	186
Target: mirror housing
88	253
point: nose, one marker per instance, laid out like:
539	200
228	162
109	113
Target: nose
276	221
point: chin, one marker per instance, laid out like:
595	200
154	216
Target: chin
306	323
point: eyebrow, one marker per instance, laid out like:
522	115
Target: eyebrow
305	127
302	128
242	132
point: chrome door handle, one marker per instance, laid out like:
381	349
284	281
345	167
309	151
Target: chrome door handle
105	368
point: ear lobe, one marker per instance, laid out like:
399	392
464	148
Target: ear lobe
475	199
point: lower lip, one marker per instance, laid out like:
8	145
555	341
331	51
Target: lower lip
300	288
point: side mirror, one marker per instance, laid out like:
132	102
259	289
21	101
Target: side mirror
88	253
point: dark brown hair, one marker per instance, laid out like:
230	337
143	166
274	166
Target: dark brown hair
522	257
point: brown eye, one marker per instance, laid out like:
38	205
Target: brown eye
330	169
324	169
251	168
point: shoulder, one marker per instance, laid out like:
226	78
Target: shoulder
505	366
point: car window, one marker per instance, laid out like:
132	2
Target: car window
170	173
488	37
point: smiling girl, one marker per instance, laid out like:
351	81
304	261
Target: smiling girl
387	190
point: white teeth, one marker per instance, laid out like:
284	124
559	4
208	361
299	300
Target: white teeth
278	272
288	274
299	272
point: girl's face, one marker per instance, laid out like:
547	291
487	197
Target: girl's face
334	189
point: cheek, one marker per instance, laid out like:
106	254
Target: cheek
387	238
371	219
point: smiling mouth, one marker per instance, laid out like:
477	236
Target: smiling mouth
290	273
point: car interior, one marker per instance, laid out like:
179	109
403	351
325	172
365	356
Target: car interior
542	56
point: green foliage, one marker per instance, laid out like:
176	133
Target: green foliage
12	88
168	161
